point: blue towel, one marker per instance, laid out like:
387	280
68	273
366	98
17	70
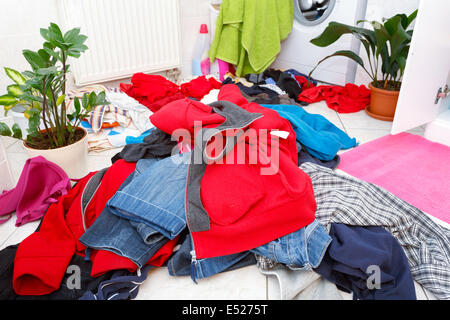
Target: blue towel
316	133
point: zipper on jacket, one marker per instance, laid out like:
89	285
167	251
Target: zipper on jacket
193	266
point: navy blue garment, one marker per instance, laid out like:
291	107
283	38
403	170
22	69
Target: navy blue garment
369	262
296	73
123	285
305	156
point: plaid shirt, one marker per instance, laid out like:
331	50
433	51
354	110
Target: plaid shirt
348	200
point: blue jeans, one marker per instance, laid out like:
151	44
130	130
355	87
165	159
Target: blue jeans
156	196
300	250
181	263
133	240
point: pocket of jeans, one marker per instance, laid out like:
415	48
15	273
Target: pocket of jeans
229	192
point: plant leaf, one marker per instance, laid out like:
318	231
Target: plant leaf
34	59
4	130
15	76
70	35
92	99
85	100
17	132
60	99
336	30
46	71
412	17
101	98
7	100
14	90
76	104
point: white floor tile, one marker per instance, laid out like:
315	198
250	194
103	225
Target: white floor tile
361	120
7	229
241	284
16	163
8	142
367	135
20	233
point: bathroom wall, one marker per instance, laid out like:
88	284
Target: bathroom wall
22	19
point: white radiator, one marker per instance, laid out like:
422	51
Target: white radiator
124	37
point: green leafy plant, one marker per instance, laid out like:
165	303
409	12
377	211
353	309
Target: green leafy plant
42	90
387	46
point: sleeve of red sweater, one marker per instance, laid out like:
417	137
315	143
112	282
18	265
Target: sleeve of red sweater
42	258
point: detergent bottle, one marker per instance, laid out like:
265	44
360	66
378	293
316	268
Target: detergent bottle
200	60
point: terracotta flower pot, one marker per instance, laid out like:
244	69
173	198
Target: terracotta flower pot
72	158
382	103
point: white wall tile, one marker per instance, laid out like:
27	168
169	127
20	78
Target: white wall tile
19	29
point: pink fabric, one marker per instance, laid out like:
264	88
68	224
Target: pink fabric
409	166
40	184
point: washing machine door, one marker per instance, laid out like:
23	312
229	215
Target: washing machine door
313	12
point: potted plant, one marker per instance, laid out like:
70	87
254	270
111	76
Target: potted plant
387	47
53	131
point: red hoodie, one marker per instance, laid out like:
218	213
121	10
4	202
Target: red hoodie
246	209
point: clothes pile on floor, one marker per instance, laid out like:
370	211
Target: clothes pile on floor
125	120
220	186
275	86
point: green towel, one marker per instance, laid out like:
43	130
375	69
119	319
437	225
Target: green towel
249	33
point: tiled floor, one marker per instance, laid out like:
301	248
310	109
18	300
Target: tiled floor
246	283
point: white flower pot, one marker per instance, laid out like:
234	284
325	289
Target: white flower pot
72	159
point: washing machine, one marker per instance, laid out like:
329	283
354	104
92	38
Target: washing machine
311	19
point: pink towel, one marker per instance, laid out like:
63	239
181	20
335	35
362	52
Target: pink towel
41	183
409	166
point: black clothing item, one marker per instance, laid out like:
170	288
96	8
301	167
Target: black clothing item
157	144
272	73
76	281
256	78
288	84
253	90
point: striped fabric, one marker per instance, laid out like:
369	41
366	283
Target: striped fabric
348	200
97	115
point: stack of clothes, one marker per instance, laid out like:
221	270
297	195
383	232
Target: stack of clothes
126	119
220	186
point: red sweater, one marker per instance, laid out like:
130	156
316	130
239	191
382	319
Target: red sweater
246	208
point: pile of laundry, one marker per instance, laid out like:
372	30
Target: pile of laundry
275	86
220	186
